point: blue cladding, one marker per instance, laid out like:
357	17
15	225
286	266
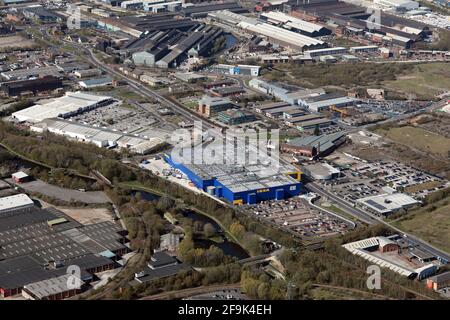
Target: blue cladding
279	194
250	196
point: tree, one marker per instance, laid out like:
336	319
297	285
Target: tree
209	230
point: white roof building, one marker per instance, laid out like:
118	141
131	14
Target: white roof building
17	201
70	104
383	204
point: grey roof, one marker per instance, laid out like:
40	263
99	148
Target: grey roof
48	287
161	259
28	244
443	277
325	141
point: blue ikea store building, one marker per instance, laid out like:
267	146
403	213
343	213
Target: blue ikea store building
242	185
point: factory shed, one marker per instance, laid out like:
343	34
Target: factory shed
312	146
294	24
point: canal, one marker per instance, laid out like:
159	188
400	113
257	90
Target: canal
228	247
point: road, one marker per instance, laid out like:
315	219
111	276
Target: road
369	219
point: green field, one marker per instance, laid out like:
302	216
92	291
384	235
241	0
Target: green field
432	226
419	138
425	81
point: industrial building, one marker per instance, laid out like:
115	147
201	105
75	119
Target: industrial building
294	24
235	116
361	49
246	70
242	184
387	252
321	171
201	10
288	95
439	281
323	102
273	34
102	138
270	106
94	83
211	106
394	29
40	244
314	146
398	5
15	202
168	47
20	177
25	74
72	103
324	52
38	12
16	88
385	204
161	265
228	91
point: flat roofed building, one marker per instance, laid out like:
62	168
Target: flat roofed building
211	106
385	204
98	136
18	201
20	177
323	103
70	104
242	184
360	49
270	106
321	171
325	51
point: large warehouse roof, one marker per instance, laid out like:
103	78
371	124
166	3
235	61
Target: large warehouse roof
71	102
274	33
280	34
290	22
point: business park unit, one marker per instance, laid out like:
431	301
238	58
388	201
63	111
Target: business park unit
72	103
243	184
38	245
392	253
